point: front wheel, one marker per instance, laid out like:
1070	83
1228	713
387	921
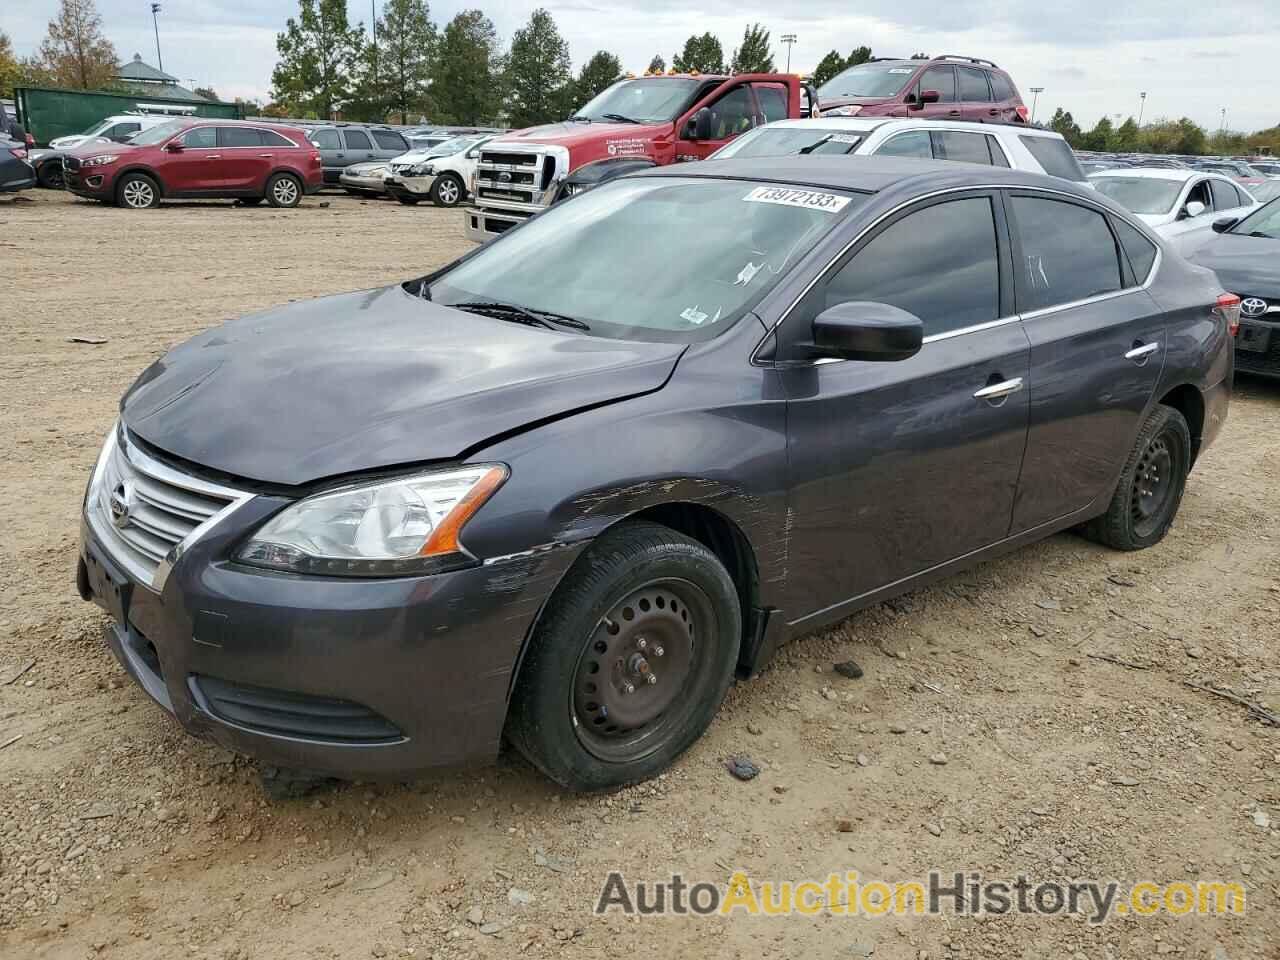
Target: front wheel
630	661
137	191
447	191
50	175
284	190
409	201
1151	485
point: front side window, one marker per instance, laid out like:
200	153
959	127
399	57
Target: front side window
973	85
326	139
942	79
732	114
201	138
914	143
1068	253
965	147
122	130
357	140
939	263
724	245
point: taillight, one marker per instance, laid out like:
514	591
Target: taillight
21	154
1228	308
1022	112
31	141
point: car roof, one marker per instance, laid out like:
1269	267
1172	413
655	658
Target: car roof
867	124
868	174
1157	173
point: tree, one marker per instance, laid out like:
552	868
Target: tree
10	69
601	71
1126	137
1101	137
921	56
537	71
466	86
318	53
400	59
827	68
1065	124
702	54
860	55
207	92
754	56
657	64
74	52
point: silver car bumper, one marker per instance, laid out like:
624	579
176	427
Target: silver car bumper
370	184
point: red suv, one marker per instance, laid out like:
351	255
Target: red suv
196	157
945	88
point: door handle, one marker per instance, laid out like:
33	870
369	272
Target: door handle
1140	353
997	391
953	113
213	156
267	155
993	113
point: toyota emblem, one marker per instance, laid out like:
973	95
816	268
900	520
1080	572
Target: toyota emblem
1253	306
121	503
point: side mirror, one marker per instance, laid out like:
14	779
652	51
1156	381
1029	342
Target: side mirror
930	96
863	330
1194	208
1223	224
701	124
174	146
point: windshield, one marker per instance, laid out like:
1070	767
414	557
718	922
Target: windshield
158	134
1140	194
1265	192
1264	223
98	127
644	101
451	146
868	80
724	244
783	141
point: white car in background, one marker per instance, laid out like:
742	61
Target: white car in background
1180	205
116	129
995	144
368	179
443	178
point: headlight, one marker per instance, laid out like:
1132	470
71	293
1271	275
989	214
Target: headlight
392	528
573	189
852	110
99	161
422	170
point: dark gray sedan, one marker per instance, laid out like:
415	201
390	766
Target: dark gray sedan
564	489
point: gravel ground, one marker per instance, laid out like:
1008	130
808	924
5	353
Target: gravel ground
120	836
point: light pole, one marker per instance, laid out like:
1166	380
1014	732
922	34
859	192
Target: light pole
155	9
788	39
1222	128
1035	97
1142	104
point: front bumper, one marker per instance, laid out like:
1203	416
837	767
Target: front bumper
87	182
485	223
351	678
1257	346
366	184
400	186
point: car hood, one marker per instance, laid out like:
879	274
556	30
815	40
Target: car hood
98	146
417	156
577	133
826	103
1249	266
369	380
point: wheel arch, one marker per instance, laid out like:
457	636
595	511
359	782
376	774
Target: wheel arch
1188	401
138	168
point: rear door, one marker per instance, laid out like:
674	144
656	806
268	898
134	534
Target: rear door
974	95
359	146
1190	229
388	144
1228	200
1097	349
245	161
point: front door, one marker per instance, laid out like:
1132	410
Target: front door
899	466
195	168
733	112
1191	229
1097	348
941	78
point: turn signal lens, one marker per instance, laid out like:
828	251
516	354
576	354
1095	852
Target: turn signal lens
1228	307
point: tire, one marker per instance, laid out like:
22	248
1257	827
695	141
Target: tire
49	175
250	201
1151	485
284	190
642	601
410	201
448	190
137	191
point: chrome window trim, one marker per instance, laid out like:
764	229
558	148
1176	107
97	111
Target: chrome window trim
214	127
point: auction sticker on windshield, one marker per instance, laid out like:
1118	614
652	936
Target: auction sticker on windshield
809	199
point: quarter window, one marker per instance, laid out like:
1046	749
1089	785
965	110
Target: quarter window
357	140
914	143
1225	196
1068	253
973	85
239	137
1140	250
272	139
1000	86
939	263
389	140
942	79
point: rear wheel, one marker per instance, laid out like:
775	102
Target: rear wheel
447	191
250	201
137	191
409	201
284	190
1151	485
630	661
49	175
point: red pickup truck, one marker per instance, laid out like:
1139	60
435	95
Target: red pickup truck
640	121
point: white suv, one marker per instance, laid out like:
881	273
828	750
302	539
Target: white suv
994	144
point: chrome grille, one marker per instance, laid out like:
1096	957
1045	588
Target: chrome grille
146	513
516	178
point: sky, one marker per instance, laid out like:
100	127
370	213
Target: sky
1093	57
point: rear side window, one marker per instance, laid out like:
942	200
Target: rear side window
326	139
914	143
942	79
1225	196
1054	156
389	140
272	139
1068	253
965	147
973	84
1140	251
939	263
1000	86
357	140
239	137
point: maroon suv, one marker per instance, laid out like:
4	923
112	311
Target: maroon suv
944	88
197	157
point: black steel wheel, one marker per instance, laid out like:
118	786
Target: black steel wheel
49	174
1147	498
630	659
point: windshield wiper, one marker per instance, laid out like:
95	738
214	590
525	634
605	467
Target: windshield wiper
804	151
619	117
582	117
1264	236
518	314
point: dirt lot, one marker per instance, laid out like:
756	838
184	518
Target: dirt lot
122	837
